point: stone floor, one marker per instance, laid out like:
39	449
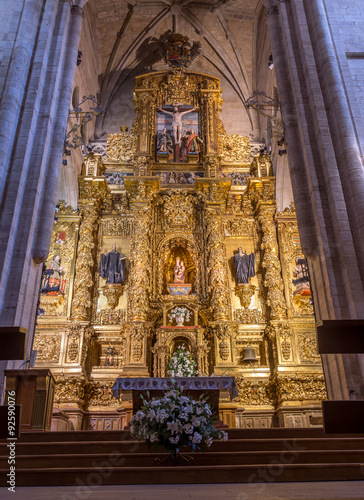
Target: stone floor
253	491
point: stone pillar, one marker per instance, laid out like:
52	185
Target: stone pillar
326	172
34	110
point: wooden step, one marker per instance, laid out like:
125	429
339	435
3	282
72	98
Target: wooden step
113	457
210	458
84	447
188	475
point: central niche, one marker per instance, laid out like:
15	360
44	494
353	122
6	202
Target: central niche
173	250
179	253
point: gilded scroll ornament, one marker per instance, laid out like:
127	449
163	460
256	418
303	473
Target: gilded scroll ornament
112	317
178	209
239	227
304	304
113	292
121	147
100	394
224	350
52	305
117	227
71	390
139	332
73	347
257	392
245	292
300	387
48	348
249	316
235	149
307	346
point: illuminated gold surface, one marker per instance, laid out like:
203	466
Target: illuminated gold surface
92	333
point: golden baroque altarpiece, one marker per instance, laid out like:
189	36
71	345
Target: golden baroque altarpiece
198	205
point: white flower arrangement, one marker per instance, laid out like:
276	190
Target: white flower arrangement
180	314
175	421
182	364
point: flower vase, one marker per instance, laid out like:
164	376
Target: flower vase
180	319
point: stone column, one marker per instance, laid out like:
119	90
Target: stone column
34	111
326	171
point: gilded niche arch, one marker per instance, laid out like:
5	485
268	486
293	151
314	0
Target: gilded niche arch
184	247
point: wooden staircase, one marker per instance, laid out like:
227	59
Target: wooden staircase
112	457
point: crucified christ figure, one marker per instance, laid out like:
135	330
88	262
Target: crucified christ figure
176	121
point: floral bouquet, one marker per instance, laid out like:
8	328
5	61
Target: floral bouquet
175	421
180	314
182	364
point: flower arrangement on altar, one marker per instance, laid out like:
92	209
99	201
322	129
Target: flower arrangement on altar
182	364
175	421
180	314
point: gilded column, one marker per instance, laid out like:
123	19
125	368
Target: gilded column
91	193
218	280
139	278
273	280
140	191
222	329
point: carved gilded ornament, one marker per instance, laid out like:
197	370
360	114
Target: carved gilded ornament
53	305
64	209
257	392
139	332
141	189
71	390
178	87
48	348
112	317
261	166
307	346
272	276
218	279
117	227
178	209
121	147
73	347
304	305
213	191
242	227
224	332
245	292
100	394
113	292
235	149
249	316
93	165
139	277
299	387
85	261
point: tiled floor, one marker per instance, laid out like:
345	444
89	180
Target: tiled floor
252	491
